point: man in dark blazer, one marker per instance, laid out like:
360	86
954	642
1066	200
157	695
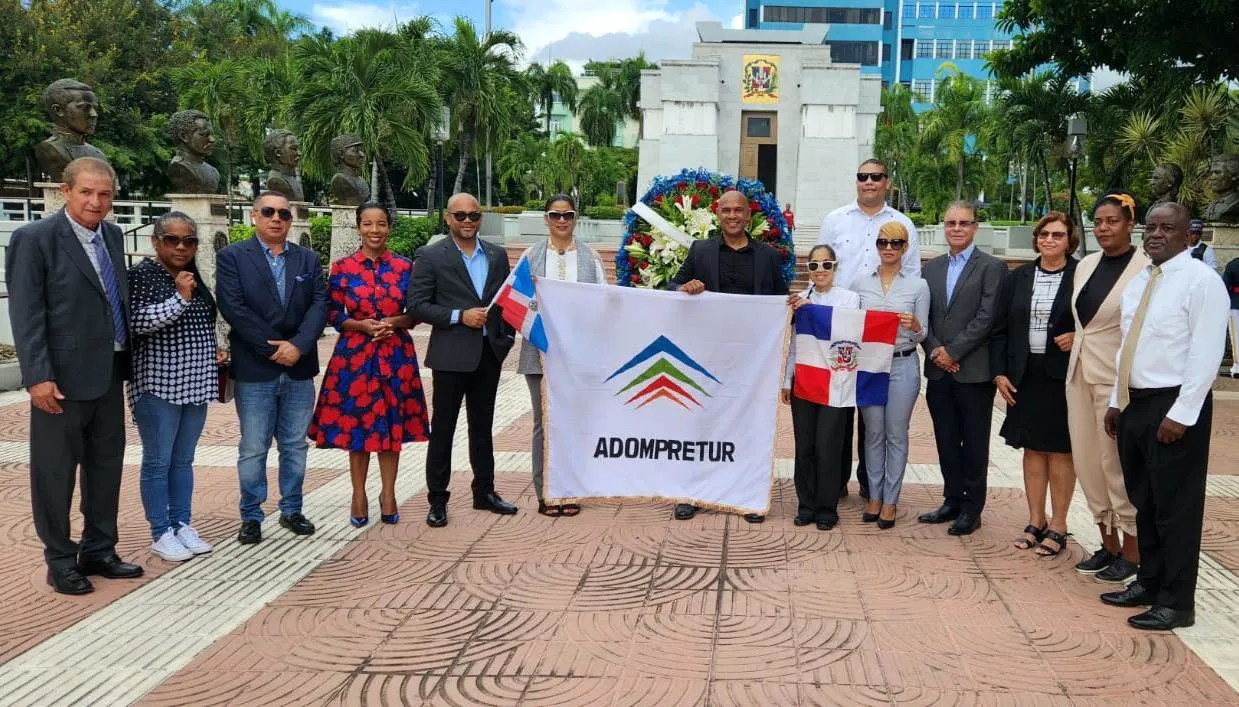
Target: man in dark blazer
273	296
963	295
734	264
68	303
453	281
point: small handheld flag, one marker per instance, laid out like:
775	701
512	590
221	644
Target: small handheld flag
518	300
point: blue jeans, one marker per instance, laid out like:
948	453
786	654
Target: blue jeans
169	435
886	430
279	409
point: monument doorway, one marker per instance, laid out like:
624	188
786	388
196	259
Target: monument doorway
759	148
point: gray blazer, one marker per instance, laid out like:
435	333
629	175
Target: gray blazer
964	326
440	284
62	321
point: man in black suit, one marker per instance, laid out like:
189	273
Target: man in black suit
68	302
733	264
963	294
453	281
271	292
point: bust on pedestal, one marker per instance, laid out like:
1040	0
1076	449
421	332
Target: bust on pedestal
74	111
1165	182
194	137
1224	181
283	153
348	157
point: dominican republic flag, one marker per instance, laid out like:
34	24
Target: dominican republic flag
520	306
843	356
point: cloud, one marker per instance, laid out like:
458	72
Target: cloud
737	22
347	17
1104	78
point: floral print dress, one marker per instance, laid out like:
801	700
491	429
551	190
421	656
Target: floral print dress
371	399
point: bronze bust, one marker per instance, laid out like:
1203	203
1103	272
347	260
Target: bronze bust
348	157
195	139
1165	182
1224	181
283	152
74	111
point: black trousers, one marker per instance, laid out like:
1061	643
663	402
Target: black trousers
90	435
1166	484
962	414
819	431
862	475
477	390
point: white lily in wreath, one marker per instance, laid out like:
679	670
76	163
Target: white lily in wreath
698	222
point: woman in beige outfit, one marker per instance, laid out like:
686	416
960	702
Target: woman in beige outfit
1099	282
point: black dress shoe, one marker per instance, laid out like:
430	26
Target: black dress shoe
251	532
109	566
685	511
1162	618
754	518
437	517
827	523
299	524
868	517
493	503
884	524
69	581
802	519
943	514
965	524
1133	595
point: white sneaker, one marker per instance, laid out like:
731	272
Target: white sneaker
190	540
171	549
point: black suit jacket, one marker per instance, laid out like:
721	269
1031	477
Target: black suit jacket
702	264
1008	346
964	325
441	284
250	303
61	317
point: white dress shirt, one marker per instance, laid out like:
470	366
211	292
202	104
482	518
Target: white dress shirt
563	267
834	297
852	233
1184	333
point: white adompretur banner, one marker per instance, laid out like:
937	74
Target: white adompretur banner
660	395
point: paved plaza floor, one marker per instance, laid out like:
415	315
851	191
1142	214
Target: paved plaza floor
619	606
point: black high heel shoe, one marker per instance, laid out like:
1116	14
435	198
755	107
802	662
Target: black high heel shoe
392	519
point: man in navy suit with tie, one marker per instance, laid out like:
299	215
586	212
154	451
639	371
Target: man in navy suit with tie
271	292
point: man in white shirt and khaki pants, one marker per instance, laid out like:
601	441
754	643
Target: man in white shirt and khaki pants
1161	413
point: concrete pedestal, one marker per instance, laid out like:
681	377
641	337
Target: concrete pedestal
1224	237
345	238
210	212
53	200
300	232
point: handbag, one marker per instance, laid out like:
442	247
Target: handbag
226	384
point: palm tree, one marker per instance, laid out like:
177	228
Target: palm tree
477	73
616	96
895	139
951	126
518	159
569	151
377	85
545	82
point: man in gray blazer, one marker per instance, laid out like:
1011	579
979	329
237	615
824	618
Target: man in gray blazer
68	302
963	289
453	282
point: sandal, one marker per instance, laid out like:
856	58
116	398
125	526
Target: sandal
550	511
1053	536
1037	534
570	509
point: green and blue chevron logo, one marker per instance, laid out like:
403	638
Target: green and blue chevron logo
670	374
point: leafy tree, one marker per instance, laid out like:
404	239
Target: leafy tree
545	82
895	138
951	127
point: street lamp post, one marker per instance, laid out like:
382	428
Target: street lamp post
1077	128
442	133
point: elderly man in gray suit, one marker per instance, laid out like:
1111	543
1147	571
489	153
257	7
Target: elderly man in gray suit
68	302
963	289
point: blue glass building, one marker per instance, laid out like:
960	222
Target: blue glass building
904	41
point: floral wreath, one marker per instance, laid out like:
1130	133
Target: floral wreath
647	258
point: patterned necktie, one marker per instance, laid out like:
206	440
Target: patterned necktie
1128	353
107	275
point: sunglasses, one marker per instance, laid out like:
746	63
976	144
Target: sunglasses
463	216
1052	236
815	265
870	176
561	215
958	224
178	241
891	243
270	211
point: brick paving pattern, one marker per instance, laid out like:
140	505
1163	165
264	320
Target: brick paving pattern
623	605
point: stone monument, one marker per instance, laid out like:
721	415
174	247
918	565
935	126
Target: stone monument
194	137
74	111
1165	182
283	152
348	158
1224	181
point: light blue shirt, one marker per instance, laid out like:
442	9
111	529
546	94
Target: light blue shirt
478	266
955	267
278	263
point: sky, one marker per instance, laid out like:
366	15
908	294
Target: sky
572	30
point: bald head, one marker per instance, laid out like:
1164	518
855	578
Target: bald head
464	216
733	215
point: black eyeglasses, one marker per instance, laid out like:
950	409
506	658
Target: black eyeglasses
891	243
177	241
463	216
561	215
269	211
815	265
870	176
958	224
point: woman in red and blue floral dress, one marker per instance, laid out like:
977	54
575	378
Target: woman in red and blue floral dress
372	399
